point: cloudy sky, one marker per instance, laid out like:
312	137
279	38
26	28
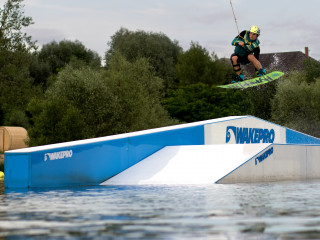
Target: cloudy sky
286	25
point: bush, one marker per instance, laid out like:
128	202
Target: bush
199	101
297	104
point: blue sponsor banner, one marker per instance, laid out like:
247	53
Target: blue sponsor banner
263	156
244	135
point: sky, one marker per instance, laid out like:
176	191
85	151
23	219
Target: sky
286	25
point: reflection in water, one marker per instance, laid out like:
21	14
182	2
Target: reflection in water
1	187
235	211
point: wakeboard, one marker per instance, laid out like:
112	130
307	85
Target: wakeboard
254	81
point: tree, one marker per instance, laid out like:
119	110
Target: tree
78	102
312	69
138	91
16	87
15	82
53	57
161	52
58	55
39	70
12	20
76	106
54	120
84	103
197	65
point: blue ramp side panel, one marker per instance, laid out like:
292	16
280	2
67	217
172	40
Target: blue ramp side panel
86	164
90	163
143	146
17	177
294	137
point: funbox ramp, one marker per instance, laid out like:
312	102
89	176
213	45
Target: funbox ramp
219	147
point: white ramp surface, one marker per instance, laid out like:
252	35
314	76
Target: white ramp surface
175	165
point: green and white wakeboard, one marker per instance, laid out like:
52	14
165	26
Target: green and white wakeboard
255	81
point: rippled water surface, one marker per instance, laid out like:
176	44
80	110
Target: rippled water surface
287	210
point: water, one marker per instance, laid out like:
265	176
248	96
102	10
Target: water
286	210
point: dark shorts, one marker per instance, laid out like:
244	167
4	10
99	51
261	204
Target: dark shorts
241	59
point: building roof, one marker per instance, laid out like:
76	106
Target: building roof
282	61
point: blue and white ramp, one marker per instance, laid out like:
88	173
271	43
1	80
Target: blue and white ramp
224	150
223	164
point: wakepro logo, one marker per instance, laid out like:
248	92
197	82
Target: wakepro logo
264	156
250	135
58	155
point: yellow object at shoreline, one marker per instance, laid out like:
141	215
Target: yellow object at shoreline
1	175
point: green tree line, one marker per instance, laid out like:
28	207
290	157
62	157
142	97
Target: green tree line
62	92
